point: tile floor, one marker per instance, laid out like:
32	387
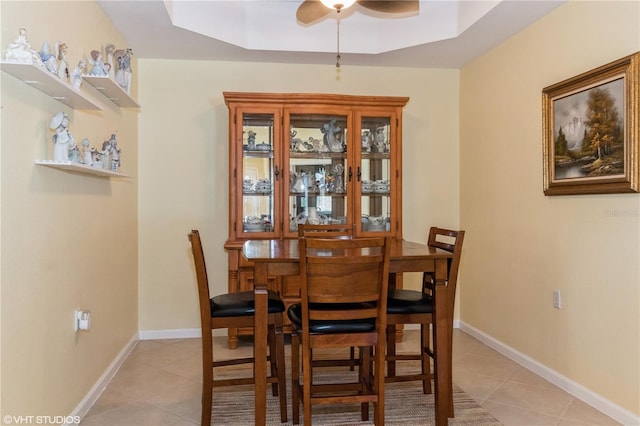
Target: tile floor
159	384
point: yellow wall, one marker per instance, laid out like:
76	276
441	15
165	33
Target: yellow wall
184	172
521	245
68	241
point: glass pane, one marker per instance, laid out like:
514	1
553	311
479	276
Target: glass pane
257	173
317	191
376	174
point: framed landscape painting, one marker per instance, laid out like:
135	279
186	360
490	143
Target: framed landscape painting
590	131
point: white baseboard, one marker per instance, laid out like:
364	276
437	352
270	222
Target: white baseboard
598	402
177	333
94	393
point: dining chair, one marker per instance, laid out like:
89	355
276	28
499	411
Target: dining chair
330	231
235	310
343	304
416	307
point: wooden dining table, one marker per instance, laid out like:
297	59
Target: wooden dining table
274	258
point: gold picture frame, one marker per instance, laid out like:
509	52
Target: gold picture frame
590	131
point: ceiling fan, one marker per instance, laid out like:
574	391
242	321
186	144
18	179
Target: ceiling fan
312	10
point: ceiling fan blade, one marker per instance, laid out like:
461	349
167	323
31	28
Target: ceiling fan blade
311	10
391	6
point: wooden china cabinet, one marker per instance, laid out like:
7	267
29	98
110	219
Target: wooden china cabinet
316	158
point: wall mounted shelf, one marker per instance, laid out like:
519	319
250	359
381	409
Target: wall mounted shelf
79	168
112	90
43	80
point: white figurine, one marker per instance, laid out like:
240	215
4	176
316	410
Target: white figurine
115	154
49	60
123	74
99	68
62	140
106	155
96	158
20	50
109	49
86	152
63	66
77	73
74	153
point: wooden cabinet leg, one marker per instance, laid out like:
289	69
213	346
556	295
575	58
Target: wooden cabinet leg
399	333
232	339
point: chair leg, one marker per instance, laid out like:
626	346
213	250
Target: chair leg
450	368
295	377
379	360
273	364
425	359
281	371
352	358
365	379
391	350
307	377
207	380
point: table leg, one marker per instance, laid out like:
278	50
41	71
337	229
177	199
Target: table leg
441	343
260	343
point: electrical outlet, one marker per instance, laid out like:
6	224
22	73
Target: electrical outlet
557	300
82	320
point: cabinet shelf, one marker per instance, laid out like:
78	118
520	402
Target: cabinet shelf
376	194
111	90
318	155
376	155
257	194
79	168
318	194
41	79
257	154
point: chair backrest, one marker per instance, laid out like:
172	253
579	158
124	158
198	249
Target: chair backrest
203	282
451	241
344	279
326	231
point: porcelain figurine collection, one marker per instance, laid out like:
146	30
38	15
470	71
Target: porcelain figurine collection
65	149
332	136
56	62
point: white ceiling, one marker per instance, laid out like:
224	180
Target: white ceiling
444	34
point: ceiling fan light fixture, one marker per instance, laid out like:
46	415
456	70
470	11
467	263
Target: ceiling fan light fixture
338	4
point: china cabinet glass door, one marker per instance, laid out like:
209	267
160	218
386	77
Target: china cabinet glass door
317	160
259	172
374	173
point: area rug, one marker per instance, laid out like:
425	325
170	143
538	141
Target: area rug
405	404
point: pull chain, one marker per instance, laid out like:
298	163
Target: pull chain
338	41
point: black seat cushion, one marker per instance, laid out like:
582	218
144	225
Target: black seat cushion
409	302
327	327
242	304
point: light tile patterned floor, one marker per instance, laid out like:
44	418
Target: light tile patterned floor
159	384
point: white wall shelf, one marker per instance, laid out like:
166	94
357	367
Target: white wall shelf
112	90
79	168
41	79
